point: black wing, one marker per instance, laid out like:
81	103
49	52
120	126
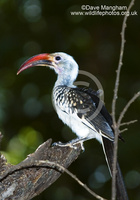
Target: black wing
91	110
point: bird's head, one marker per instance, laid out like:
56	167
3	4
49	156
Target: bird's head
63	64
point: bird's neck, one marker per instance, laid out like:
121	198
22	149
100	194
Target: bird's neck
68	76
64	80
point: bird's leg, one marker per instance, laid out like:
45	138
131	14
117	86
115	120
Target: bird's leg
72	143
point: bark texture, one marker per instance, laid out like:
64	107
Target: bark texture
31	177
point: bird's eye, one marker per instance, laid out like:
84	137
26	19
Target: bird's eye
58	58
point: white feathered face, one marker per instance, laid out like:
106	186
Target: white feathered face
65	65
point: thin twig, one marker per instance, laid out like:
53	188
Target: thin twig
116	128
127	106
123	130
128	123
61	168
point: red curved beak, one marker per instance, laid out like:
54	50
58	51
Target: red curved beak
38	60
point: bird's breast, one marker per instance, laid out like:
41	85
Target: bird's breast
73	122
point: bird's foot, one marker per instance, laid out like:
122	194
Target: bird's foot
81	143
60	144
78	141
71	144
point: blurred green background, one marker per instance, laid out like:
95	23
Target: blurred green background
27	117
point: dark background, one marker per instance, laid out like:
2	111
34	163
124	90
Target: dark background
27	117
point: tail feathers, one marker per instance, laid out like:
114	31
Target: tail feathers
108	147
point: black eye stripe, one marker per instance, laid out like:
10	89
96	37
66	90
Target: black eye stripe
57	58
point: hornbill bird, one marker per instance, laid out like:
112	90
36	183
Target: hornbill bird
76	106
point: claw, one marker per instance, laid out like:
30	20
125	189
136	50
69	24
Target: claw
60	144
70	144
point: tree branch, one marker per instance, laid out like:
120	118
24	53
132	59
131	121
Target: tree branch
38	171
18	181
115	124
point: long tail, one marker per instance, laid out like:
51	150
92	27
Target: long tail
120	187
